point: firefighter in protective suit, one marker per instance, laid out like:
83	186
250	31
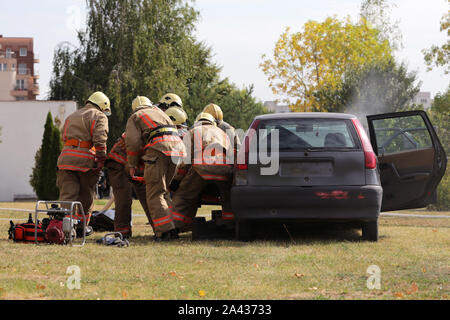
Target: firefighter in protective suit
123	187
170	100
209	148
84	135
151	130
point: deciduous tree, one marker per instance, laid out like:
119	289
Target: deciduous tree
318	57
130	48
439	56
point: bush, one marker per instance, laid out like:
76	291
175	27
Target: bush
43	176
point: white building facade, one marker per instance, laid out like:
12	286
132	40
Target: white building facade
273	106
22	127
423	98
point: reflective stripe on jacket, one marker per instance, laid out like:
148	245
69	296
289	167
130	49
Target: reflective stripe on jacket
118	152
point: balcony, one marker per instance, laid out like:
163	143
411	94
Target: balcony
35	89
26	72
7	55
19	92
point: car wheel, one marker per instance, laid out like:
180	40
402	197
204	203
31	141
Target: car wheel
370	230
242	230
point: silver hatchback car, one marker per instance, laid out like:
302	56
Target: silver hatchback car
329	169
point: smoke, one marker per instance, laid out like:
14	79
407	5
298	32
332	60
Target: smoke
368	98
381	89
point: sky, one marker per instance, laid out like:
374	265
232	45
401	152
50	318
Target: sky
238	31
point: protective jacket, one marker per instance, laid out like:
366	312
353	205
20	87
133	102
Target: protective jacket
150	128
118	152
84	135
209	148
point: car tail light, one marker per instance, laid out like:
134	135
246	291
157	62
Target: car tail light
242	165
369	156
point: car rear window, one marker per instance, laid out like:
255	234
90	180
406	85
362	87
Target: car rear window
314	134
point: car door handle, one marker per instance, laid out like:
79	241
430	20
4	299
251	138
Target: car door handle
405	178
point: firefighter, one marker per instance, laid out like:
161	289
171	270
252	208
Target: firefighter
123	187
169	100
84	135
151	130
179	118
209	147
216	112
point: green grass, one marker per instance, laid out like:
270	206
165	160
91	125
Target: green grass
316	263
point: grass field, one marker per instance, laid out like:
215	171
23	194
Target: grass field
328	262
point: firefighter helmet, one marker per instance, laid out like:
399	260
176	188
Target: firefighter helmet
170	100
215	111
177	115
204	116
102	101
140	101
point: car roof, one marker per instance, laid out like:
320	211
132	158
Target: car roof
299	115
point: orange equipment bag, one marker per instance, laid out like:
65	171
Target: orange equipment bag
24	232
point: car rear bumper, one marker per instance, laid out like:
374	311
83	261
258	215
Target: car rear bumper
330	203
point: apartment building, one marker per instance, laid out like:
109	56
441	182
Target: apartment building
18	76
423	98
273	106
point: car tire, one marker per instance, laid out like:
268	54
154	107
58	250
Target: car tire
242	230
370	230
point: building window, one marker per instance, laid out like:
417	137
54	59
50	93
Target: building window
3	66
8	53
20	84
20	98
22	68
23	52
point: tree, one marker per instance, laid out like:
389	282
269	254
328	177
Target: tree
318	57
131	48
43	177
377	88
440	56
377	15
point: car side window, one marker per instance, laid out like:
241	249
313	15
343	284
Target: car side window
401	134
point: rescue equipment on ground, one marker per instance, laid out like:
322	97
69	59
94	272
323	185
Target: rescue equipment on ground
24	232
114	239
61	226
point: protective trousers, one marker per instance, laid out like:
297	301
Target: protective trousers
159	171
78	186
123	197
187	198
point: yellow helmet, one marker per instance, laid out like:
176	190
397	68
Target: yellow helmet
140	101
170	100
102	101
214	110
177	115
204	116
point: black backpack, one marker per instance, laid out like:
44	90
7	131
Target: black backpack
101	221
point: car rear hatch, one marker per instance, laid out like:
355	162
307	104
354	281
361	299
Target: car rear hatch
310	151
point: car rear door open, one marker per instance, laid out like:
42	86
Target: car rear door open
411	158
